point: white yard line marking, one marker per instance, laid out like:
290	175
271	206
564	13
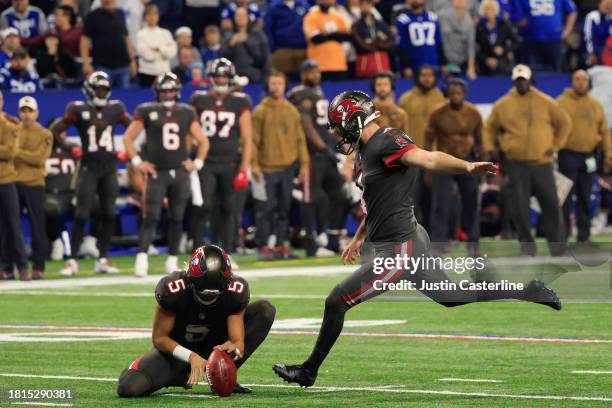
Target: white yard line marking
43	404
476	380
153	279
348	389
591	372
421	336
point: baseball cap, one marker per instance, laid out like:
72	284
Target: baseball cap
7	32
182	30
521	71
308	65
28	102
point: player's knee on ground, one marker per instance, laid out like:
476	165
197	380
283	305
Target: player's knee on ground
335	301
133	384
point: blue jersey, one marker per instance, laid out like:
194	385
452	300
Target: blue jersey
545	18
597	28
228	12
31	25
18	82
419	38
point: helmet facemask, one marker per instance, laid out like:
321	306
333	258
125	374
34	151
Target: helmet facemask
97	89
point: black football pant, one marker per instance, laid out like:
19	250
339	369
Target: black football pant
173	184
443	202
273	215
364	284
219	198
524	180
33	199
323	201
56	206
155	370
573	166
12	247
105	186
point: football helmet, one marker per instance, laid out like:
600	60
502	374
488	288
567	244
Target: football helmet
210	272
97	88
222	67
167	89
348	114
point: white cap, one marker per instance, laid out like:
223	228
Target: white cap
182	30
7	32
28	102
521	71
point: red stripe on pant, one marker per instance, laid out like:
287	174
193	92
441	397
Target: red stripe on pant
144	195
307	185
136	364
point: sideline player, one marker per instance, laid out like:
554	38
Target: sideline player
164	160
386	171
95	120
225	115
202	308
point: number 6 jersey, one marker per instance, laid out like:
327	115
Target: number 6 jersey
220	118
174	293
166	132
96	127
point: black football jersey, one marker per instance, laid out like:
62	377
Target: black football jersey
60	167
387	186
194	321
96	127
167	130
220	119
320	105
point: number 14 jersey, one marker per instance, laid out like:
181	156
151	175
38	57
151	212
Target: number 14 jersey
96	127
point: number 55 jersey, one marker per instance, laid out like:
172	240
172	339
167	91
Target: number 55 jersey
166	131
196	322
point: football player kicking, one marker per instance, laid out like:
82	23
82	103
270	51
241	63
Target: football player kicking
202	308
386	171
95	120
164	161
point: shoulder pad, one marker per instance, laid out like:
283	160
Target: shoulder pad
171	287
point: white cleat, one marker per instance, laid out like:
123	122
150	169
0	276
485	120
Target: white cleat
57	250
171	264
104	266
324	253
70	268
152	250
89	247
141	267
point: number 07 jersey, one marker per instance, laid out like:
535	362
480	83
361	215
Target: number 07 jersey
96	127
166	131
220	118
174	293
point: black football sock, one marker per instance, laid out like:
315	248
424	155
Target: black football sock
258	319
107	227
333	321
77	236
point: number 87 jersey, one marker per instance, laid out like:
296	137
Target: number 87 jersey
220	118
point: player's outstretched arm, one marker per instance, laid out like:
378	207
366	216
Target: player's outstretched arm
442	162
235	333
163	322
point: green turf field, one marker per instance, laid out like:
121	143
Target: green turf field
400	366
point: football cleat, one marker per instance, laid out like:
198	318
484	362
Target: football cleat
171	264
266	254
241	389
295	374
57	250
89	247
141	267
282	252
37	275
104	266
24	275
324	253
152	250
70	268
537	292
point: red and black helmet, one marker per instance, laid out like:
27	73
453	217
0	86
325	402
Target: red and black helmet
348	114
167	88
210	272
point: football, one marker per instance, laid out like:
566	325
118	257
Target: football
221	373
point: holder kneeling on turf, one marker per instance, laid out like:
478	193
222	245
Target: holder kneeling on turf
202	308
